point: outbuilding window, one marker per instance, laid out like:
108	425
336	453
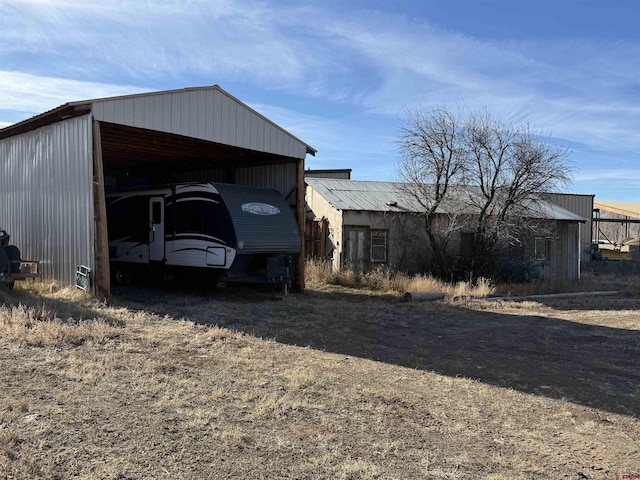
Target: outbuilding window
379	243
542	248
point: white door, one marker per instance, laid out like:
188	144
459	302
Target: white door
156	229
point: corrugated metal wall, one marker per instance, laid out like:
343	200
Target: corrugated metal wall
580	205
46	196
280	177
205	113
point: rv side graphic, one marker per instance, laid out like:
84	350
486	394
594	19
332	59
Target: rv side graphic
211	230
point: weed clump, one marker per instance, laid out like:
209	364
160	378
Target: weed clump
386	280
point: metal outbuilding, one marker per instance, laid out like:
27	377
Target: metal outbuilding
57	166
582	205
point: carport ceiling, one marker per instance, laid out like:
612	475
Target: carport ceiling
135	151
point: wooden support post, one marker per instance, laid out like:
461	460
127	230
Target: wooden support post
102	272
300	208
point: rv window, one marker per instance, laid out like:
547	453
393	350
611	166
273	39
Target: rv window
194	223
123	217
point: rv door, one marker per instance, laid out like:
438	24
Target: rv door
156	229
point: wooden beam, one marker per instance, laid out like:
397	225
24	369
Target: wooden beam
616	220
102	274
612	209
300	208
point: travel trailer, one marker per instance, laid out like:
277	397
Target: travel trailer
210	231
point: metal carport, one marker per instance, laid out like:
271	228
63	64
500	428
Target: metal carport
57	166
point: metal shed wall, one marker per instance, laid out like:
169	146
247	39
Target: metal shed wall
280	177
580	205
46	196
205	113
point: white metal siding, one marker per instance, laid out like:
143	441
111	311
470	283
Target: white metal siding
46	196
209	114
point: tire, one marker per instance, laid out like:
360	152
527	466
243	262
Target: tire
13	253
4	262
123	276
9	285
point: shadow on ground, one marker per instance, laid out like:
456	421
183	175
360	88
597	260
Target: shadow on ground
66	310
595	366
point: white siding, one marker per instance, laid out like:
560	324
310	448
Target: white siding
46	196
205	113
321	208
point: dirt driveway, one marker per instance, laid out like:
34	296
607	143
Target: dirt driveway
175	383
585	351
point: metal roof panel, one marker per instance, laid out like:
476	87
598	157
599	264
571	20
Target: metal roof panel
372	196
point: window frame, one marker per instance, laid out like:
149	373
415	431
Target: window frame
542	254
379	233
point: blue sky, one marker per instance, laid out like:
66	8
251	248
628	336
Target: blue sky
339	74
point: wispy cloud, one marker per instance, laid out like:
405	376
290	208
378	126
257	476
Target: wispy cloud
338	67
23	92
586	91
151	38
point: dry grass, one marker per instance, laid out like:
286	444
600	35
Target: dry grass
386	281
180	384
25	320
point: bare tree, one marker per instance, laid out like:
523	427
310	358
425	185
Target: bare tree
475	168
433	159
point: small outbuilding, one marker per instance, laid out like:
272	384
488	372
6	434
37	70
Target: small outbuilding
57	166
365	224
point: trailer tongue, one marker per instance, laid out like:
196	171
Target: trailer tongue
12	267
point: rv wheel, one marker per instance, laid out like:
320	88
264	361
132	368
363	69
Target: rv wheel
4	261
123	277
9	285
13	253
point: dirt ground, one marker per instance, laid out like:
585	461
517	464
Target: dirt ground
248	383
583	350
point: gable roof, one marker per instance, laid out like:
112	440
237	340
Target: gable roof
207	113
372	196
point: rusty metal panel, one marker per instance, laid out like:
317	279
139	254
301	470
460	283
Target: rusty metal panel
206	113
46	196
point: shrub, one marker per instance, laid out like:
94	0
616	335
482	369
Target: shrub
516	270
